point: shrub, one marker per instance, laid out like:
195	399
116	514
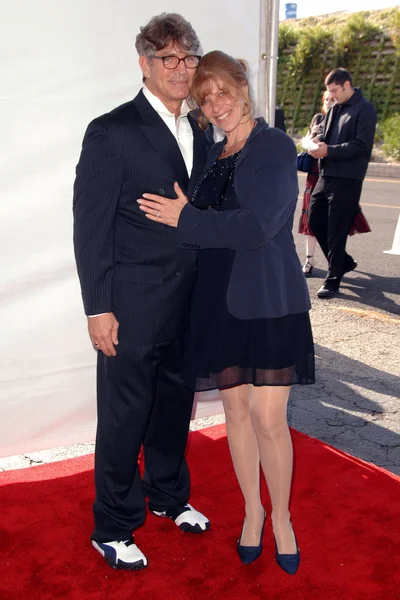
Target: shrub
366	43
391	137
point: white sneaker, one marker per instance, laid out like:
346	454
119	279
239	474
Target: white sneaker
122	555
187	518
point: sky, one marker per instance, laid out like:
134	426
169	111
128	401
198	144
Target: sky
307	8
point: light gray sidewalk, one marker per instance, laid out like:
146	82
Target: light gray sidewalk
354	405
384	170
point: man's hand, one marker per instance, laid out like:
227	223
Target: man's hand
103	331
320	152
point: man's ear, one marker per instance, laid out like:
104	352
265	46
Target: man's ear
144	64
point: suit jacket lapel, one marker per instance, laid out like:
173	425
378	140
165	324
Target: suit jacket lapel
199	153
161	138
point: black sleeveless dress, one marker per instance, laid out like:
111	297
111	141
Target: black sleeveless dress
223	351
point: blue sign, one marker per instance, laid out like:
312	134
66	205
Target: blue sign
291	11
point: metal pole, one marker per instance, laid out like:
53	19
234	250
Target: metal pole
263	63
273	70
269	32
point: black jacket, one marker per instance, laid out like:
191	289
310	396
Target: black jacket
348	157
127	264
280	119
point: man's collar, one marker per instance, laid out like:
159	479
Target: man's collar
354	97
160	108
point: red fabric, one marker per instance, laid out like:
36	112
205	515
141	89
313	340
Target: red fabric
311	182
360	224
345	513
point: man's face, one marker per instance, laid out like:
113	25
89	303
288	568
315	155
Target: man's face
340	93
169	85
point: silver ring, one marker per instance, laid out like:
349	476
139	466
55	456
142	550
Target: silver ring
158	213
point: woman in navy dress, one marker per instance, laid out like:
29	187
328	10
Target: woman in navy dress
250	334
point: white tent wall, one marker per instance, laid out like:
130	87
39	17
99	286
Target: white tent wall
64	62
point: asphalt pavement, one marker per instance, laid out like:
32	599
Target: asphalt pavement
355	402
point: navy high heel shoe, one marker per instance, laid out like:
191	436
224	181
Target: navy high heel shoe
288	562
249	554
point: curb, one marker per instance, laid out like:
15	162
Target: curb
384	170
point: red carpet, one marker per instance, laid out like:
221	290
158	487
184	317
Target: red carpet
345	512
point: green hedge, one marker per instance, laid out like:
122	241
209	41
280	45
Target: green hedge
365	43
391	137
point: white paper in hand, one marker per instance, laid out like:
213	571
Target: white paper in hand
308	144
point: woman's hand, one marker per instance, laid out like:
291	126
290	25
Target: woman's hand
164	210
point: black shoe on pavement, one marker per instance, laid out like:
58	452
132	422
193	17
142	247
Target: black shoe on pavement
327	291
350	268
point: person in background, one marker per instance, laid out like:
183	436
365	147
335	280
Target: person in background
136	287
280	119
314	129
250	334
344	151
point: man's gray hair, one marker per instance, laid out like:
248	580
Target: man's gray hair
164	29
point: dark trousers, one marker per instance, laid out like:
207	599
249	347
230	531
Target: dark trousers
333	207
141	400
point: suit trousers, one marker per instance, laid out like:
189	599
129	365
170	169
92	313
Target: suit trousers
333	207
141	401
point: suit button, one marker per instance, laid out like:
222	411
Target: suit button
178	274
161	191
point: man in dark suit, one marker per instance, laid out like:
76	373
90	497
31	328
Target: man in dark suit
136	287
344	152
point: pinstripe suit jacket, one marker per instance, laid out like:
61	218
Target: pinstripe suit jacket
126	263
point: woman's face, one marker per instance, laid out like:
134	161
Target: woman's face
328	101
223	108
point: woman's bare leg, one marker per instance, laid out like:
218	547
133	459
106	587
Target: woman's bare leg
311	244
243	446
268	410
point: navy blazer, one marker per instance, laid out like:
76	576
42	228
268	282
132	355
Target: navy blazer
128	264
266	280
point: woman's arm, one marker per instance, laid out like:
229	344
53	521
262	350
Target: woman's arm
271	197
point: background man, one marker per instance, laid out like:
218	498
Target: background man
345	150
136	288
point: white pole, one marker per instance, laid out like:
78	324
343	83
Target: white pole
263	63
273	59
269	31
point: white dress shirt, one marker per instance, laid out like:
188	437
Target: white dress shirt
179	127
